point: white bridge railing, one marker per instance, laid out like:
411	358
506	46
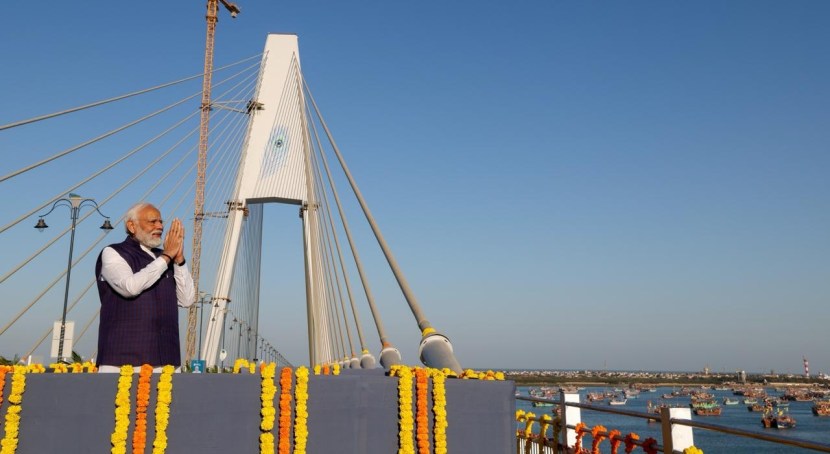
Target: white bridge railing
675	423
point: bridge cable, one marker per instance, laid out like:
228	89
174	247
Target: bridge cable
346	280
359	265
23	217
331	236
103	136
81	257
324	247
55	239
68	310
338	295
117	98
93	140
135	150
423	323
330	296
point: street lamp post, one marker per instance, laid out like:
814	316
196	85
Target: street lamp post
202	302
75	203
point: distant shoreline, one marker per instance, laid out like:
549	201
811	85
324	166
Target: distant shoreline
544	380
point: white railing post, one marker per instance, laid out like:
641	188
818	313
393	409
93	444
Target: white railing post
571	416
681	435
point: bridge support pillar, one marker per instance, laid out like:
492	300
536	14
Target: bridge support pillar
571	416
676	437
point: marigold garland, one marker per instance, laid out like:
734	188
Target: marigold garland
405	420
266	438
631	442
615	440
439	410
521	416
284	442
692	450
35	368
335	369
164	396
3	371
242	362
581	428
598	435
650	446
301	411
544	423
122	411
59	368
12	426
488	375
421	421
142	400
530	418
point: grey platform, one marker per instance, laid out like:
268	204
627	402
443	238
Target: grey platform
355	412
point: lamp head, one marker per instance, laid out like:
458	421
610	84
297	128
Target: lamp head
41	224
106	225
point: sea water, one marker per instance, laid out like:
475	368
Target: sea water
808	426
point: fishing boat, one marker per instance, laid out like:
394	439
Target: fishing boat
750	401
777	419
708	411
617	401
821	408
755	407
542	404
728	401
705	404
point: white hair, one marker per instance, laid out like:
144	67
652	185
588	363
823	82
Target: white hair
132	214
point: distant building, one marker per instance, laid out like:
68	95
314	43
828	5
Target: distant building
742	376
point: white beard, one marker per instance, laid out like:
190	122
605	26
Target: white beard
147	239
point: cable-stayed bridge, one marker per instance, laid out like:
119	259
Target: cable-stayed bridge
268	143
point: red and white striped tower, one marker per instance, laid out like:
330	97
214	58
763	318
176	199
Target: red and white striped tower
806	367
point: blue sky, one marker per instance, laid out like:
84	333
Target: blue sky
641	185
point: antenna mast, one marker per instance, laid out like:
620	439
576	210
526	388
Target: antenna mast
199	201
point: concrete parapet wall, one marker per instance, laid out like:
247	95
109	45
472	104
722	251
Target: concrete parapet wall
219	413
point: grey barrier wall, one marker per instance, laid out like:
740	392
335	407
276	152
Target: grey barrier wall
356	412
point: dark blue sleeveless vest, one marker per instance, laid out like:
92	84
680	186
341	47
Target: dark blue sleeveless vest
143	329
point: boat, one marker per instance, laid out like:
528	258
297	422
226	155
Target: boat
728	401
708	411
701	396
750	401
631	393
542	404
777	419
821	408
617	401
593	397
755	407
703	404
